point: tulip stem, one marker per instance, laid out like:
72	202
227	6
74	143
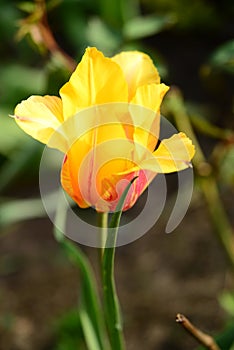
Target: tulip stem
110	298
111	302
102	220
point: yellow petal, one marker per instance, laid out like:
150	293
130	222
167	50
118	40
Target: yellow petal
40	117
138	69
150	97
98	124
96	80
173	154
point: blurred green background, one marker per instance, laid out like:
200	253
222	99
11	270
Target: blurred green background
190	271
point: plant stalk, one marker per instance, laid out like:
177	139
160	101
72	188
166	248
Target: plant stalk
110	298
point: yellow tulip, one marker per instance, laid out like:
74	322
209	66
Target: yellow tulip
107	124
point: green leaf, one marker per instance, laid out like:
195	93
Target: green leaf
15	210
226	338
68	332
101	36
89	332
227	302
19	210
141	27
26	6
89	293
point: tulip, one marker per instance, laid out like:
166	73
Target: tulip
106	121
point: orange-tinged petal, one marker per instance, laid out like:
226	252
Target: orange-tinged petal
70	184
70	171
114	186
106	183
96	80
96	175
88	172
40	117
86	155
138	69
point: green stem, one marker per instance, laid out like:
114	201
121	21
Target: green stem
110	298
102	220
219	217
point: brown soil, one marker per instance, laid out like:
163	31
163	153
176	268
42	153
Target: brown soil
157	276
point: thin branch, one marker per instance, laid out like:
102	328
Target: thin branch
37	26
49	39
203	338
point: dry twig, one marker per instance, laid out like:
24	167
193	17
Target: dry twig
203	338
37	26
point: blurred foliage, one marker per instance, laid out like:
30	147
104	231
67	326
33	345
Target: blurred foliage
227	166
68	332
166	29
223	57
198	15
225	339
227	302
